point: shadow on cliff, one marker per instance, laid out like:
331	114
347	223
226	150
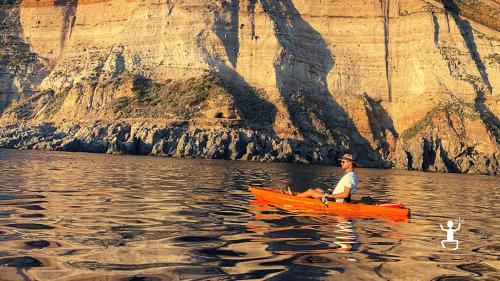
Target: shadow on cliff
69	20
17	62
468	36
255	109
301	76
253	106
436	25
227	28
381	124
489	118
251	9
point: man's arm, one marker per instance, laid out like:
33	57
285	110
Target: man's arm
342	195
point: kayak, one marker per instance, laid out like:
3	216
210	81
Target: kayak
388	211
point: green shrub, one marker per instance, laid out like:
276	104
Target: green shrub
181	99
55	101
462	109
9	3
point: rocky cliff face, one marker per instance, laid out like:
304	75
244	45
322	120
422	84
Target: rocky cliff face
405	83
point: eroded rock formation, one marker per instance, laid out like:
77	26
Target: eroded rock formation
405	83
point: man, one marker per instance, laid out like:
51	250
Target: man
345	187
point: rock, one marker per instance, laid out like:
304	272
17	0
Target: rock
299	158
276	70
237	147
73	144
115	146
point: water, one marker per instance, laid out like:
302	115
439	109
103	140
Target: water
73	216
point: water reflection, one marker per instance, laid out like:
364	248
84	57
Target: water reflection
71	216
300	232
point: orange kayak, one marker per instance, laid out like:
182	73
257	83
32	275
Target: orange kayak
386	211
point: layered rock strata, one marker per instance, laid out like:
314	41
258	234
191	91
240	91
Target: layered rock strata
411	83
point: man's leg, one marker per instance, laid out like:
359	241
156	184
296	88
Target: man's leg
312	192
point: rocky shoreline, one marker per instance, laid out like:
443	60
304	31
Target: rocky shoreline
171	141
230	143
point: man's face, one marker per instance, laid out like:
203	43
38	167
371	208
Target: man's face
344	163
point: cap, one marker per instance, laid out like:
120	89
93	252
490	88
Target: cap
349	157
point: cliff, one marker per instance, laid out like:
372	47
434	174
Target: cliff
405	83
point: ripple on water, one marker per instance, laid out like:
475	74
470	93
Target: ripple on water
5	197
30	226
197	239
321	261
378	257
20	197
477	268
21	262
191	271
5	214
142	278
452	278
92	265
33	207
192	213
204	225
493	250
29	216
73	252
39	244
449	258
212	252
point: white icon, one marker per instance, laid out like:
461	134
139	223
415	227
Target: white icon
450	232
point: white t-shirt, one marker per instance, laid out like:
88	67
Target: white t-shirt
350	180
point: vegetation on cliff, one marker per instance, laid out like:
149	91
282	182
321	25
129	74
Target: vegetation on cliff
14	52
462	109
201	97
484	12
9	3
172	99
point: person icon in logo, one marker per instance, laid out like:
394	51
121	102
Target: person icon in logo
450	233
